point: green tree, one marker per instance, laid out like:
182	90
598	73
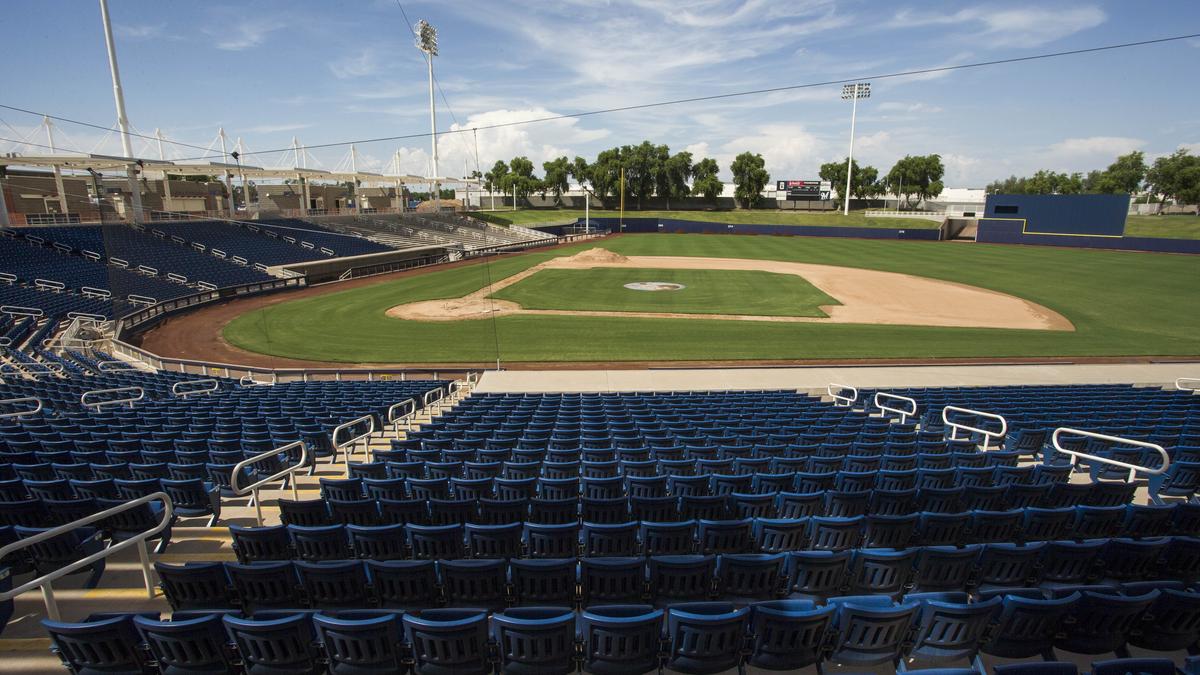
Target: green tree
521	177
496	180
604	174
674	177
864	180
1123	175
749	178
705	181
557	174
1177	177
642	165
919	175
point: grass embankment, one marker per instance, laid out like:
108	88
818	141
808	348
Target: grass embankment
1121	303
531	217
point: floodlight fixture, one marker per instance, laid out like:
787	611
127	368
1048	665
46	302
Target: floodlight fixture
427	38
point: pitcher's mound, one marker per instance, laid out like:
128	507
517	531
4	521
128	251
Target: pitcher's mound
597	255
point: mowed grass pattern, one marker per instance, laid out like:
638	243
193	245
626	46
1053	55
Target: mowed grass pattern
704	292
1121	303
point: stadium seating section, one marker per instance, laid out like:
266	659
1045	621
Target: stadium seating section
623	533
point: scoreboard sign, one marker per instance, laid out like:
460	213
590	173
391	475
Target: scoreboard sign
803	190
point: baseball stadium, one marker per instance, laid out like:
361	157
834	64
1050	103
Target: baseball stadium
521	392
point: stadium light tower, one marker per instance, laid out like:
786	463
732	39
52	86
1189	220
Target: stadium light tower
853	92
427	42
122	119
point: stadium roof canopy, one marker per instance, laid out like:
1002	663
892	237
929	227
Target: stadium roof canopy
101	163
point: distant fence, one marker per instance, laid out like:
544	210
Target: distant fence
1010	232
642	225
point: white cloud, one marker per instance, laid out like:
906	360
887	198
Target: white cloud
790	151
1009	26
246	34
275	128
906	107
140	31
1193	148
365	62
1094	147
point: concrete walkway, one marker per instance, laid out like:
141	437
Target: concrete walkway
817	377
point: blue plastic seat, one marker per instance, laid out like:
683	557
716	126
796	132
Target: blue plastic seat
271	646
870	629
788	634
193	645
544	582
944	568
620	639
1006	565
474	583
494	541
1135	666
776	535
881	571
261	543
725	536
327	584
404	584
433	542
1103	622
949	627
360	643
1026	626
604	511
98	645
195	585
681	578
325	542
705	637
552	541
615	580
672	538
265	585
835	534
535	640
1171	623
662	509
448	641
64	549
752	576
819	574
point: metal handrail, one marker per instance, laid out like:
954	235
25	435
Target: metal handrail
22	413
1179	383
427	398
18	368
1133	468
904	414
837	397
181	390
120	367
253	487
138	540
141	394
349	444
394	419
248	380
988	434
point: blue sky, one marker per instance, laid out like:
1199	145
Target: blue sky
334	71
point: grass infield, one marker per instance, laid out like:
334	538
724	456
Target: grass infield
704	292
1121	303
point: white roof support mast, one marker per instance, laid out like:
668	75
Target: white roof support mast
228	175
122	119
58	182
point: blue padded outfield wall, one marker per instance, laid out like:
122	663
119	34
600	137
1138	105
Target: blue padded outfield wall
1095	215
672	225
1081	221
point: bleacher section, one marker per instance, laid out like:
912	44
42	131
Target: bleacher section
625	533
433	229
305	232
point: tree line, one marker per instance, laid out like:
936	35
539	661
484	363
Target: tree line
912	175
651	170
1175	176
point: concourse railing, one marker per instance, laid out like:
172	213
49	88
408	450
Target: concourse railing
252	489
904	413
347	445
1134	469
840	400
21	413
138	394
45	581
988	434
192	387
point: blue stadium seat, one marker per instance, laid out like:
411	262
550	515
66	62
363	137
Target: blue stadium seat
286	644
448	641
705	637
620	639
535	640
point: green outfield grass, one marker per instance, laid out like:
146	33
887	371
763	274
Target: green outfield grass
1170	227
529	217
1121	303
704	292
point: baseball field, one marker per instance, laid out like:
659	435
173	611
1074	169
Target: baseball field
748	298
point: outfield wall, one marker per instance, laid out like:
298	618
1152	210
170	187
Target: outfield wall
678	226
1005	231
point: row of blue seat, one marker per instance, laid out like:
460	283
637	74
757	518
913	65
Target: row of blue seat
747	535
700	638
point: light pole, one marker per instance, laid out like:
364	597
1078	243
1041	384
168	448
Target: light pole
853	92
122	120
427	42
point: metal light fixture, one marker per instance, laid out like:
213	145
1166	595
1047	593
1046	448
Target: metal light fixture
427	42
852	92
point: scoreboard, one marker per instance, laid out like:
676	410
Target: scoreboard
803	190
